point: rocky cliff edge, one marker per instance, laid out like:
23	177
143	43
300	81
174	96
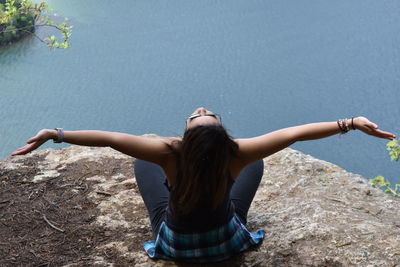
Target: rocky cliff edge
80	206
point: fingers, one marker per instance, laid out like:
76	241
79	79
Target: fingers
34	142
41	136
19	151
30	140
16	152
383	134
26	149
22	150
373	126
389	136
33	139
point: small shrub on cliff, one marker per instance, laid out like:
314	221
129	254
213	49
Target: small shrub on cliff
379	181
394	149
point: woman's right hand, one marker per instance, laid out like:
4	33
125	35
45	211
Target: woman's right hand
370	128
39	139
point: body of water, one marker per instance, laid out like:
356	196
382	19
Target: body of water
143	66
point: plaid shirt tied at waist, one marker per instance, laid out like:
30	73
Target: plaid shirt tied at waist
212	246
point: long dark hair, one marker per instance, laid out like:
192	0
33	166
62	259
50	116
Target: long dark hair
203	158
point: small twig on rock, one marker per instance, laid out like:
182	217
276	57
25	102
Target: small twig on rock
10	204
104	193
336	200
51	202
4	201
52	225
379	212
87	174
342	245
84	188
83	176
64	185
33	252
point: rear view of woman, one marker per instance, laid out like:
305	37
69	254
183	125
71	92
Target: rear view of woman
198	189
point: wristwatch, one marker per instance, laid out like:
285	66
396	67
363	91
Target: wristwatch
60	135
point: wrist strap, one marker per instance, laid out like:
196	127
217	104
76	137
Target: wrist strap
60	135
352	123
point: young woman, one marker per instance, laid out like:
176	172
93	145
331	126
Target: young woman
198	189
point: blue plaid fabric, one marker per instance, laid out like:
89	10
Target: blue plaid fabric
211	246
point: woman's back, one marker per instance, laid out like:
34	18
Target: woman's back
203	217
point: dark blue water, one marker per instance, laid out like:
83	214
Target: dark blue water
143	66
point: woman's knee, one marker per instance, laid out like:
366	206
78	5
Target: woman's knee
255	169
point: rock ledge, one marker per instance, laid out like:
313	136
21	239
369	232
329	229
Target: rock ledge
314	213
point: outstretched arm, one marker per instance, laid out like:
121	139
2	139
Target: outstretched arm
251	149
150	149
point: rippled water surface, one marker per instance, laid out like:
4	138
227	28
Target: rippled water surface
142	66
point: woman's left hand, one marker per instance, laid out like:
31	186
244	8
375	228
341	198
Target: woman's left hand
370	128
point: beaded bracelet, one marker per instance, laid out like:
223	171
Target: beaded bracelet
346	125
343	126
340	124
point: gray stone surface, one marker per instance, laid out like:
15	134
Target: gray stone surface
314	213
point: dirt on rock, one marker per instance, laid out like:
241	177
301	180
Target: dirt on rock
53	223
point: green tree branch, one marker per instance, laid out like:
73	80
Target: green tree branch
21	17
394	150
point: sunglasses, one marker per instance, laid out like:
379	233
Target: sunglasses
212	114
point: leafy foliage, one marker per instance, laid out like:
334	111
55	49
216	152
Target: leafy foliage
21	17
394	149
380	181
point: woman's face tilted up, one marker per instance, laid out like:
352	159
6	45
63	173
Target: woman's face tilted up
202	116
